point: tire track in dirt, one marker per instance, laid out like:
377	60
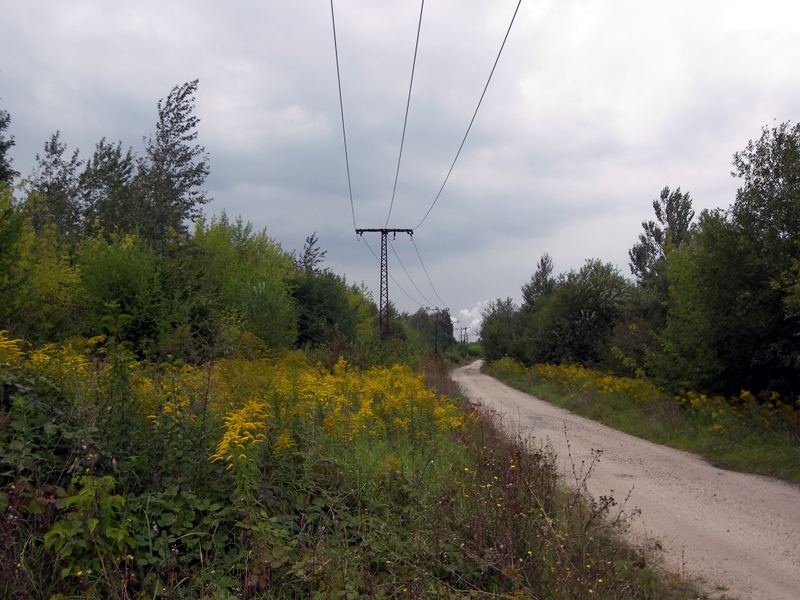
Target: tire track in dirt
731	530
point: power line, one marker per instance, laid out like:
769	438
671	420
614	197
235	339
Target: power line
411	279
394	281
405	119
341	111
424	270
472	120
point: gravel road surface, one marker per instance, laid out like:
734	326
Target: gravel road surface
736	532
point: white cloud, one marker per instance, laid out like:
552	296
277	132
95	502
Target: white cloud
472	318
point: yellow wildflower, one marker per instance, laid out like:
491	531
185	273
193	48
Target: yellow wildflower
10	351
243	430
283	443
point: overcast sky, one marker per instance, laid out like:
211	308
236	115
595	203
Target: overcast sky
594	107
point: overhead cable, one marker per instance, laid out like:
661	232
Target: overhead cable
394	281
424	270
472	120
405	119
411	279
341	111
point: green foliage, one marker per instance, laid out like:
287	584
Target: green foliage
37	434
312	256
789	282
358	483
325	312
633	347
173	170
111	202
179	531
246	275
573	323
498	328
742	432
125	272
7	173
366	313
53	190
541	285
766	205
730	322
12	222
462	353
506	368
435	329
715	308
565	319
474	349
726	328
116	234
90	533
673	227
41	283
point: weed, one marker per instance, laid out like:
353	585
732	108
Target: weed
277	477
757	434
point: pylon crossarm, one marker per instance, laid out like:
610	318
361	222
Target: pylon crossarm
383	305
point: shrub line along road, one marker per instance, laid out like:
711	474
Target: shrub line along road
730	529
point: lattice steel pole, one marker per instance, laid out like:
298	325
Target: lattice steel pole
384	303
383	306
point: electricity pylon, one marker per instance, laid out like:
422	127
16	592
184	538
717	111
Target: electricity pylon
383	314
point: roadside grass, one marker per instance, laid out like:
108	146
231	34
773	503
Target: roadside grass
462	354
748	434
275	477
547	537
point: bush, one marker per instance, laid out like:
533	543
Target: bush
123	273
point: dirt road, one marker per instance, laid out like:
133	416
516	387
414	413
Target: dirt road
730	529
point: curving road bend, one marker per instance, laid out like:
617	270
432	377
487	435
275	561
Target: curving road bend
735	532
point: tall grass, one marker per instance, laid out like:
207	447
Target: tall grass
279	478
745	433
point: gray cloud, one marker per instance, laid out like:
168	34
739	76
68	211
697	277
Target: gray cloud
594	107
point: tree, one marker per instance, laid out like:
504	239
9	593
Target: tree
12	224
312	256
726	329
125	273
174	168
767	205
790	284
498	328
53	189
7	174
732	322
239	275
435	327
324	309
45	287
574	322
672	227
111	201
767	213
542	283
366	312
